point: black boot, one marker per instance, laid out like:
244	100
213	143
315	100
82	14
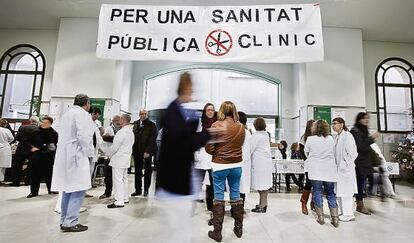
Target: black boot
218	217
238	212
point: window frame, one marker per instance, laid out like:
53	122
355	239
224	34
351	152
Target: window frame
382	85
26	49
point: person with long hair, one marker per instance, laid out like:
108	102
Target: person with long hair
363	163
308	186
262	166
227	165
322	170
345	155
202	163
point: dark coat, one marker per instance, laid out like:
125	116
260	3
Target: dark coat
23	135
363	163
144	138
178	144
42	139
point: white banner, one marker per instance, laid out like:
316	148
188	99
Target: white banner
264	33
293	166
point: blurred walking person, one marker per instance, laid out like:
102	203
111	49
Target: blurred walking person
364	167
178	143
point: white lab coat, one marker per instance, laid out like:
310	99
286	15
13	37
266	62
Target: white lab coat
345	155
321	165
71	172
109	131
246	179
94	150
262	166
202	160
121	149
6	138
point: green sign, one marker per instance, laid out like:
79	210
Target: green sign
322	113
99	103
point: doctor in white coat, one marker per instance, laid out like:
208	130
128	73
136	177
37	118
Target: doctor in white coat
245	181
345	155
120	157
71	174
262	166
6	138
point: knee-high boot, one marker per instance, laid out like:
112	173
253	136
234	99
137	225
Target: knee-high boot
218	216
238	212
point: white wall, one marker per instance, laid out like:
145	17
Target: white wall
45	40
77	70
374	53
339	79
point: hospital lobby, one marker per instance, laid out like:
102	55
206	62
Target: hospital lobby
283	63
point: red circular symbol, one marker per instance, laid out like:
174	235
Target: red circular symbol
218	42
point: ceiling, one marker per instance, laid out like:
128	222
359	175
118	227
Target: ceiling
380	20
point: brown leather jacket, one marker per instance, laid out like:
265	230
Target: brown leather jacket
229	151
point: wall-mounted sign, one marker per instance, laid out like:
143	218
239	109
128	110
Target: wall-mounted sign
263	33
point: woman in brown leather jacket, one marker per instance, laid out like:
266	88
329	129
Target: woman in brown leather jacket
227	165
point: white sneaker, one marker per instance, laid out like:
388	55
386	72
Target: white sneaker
83	209
346	218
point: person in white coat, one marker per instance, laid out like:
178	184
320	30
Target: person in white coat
6	137
245	181
322	170
262	166
345	155
71	174
120	160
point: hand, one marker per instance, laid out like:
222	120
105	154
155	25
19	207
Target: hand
146	155
375	135
34	149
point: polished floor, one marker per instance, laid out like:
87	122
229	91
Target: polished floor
34	220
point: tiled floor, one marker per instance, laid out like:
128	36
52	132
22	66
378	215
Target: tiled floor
33	220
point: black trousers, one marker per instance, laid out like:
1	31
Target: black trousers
108	178
17	168
295	180
210	192
141	163
41	165
308	184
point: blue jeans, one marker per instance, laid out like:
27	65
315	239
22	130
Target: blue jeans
71	204
318	188
233	178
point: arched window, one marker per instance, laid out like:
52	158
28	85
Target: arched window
21	81
394	87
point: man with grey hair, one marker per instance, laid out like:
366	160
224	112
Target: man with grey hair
120	160
71	174
23	149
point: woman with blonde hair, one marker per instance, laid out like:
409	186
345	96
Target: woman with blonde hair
322	170
262	166
227	165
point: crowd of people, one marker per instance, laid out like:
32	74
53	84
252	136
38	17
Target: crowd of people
217	150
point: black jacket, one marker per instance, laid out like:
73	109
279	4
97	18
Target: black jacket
363	163
23	135
178	144
42	138
144	138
